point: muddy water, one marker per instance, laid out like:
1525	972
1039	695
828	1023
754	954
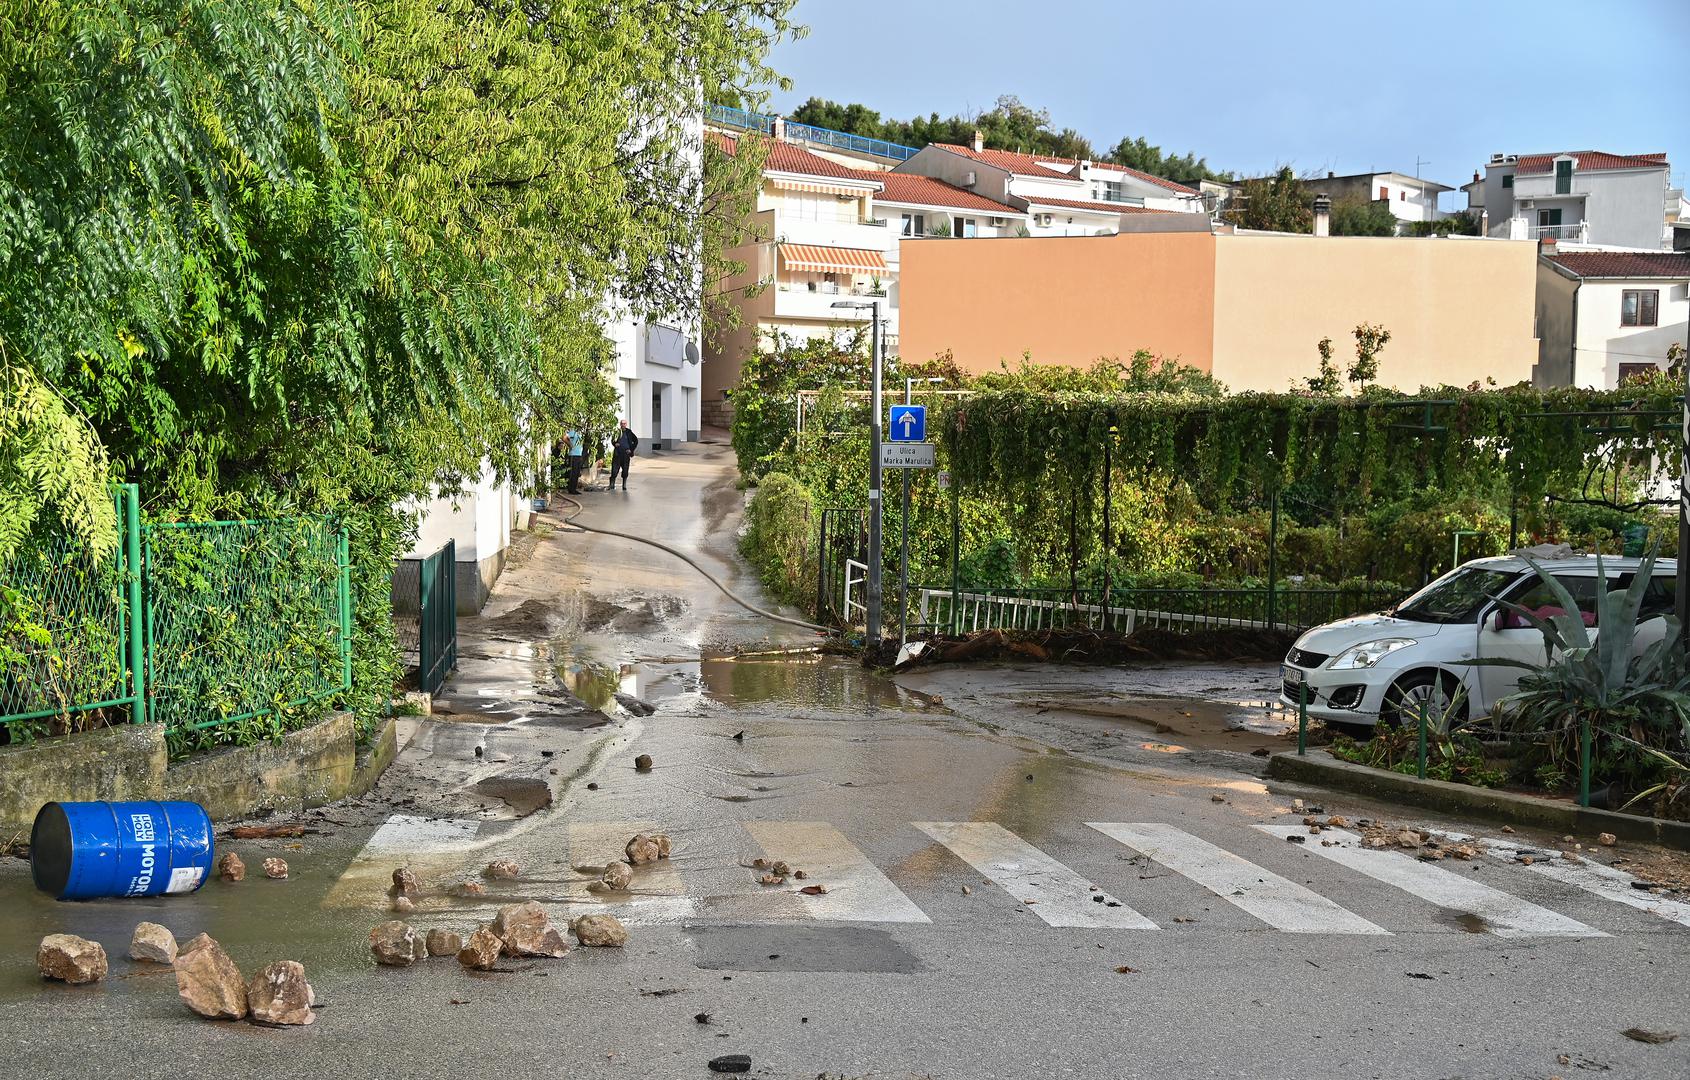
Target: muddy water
802	680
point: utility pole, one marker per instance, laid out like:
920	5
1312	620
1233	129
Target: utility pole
1681	603
871	630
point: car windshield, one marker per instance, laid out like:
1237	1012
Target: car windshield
1455	597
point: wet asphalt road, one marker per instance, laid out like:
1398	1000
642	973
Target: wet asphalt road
932	828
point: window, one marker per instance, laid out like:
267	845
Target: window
1630	371
1563	177
1107	190
1384	192
915	224
1402	196
1538	598
1637	307
1456	597
966	227
1507	180
1549	217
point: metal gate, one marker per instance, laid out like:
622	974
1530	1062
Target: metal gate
425	615
844	537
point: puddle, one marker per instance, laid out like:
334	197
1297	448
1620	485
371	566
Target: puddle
1467	922
801	679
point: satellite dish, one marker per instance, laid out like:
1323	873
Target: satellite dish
692	353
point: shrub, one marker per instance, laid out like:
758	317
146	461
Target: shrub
779	526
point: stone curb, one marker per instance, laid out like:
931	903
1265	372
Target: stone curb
1508	807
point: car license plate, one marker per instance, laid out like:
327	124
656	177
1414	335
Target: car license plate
1292	675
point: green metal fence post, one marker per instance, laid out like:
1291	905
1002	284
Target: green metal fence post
1302	719
956	553
1584	762
344	553
1273	559
1421	768
134	615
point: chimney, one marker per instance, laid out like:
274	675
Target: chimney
979	142
778	129
1330	175
1322	215
1475	176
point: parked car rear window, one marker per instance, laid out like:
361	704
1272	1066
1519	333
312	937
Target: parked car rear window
1455	597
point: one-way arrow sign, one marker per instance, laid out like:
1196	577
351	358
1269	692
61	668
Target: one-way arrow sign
909	423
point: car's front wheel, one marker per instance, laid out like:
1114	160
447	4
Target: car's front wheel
1437	692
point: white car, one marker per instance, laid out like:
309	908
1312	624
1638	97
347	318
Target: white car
1357	671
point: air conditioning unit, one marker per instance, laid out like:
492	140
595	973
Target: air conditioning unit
1042	219
1498	159
968	178
997	223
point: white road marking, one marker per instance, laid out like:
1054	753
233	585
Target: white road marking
1593	877
856	889
1051	890
1280	903
1502	914
404	834
657	894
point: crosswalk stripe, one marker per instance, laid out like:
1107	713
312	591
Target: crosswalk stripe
1282	904
856	889
1498	912
657	893
1052	891
1595	878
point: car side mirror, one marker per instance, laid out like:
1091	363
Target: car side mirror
1499	619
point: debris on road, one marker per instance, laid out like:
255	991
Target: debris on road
396	944
1217	798
1125	970
527	930
279	996
405	883
466	889
230	867
731	1063
153	943
208	982
617	876
643	849
701	1018
966	891
635	705
71	959
501	870
599	931
1418	975
643	763
1607	839
771	879
481	951
402	905
814	890
276	869
443	942
1637	1034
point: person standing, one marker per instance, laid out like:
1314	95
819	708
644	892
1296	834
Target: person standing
621	453
576	459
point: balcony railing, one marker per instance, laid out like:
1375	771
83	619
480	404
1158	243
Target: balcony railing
830	288
743	119
1574	232
763	123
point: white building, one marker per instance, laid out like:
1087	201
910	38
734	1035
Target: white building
1061	196
828	233
1409	198
1582	196
1604	316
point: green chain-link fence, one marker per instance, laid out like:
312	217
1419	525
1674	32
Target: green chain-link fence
221	630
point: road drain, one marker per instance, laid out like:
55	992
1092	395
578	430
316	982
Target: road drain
799	948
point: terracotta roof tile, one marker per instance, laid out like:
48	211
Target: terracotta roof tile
1106	208
1624	264
1589	159
1039	165
929	191
786	157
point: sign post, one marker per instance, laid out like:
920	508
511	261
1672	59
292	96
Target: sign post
907	430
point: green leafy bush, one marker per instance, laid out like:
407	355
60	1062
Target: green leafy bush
780	526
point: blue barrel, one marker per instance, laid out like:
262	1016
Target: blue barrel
82	850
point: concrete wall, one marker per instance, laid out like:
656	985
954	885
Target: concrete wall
1066	300
1458	310
480	520
1556	296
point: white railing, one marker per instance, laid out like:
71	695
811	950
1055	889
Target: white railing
1574	233
856	580
983	611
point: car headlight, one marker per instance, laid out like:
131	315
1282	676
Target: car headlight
1365	656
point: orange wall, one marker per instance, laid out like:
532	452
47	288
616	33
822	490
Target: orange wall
1068	300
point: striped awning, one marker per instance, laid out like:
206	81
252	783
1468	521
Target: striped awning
820	259
819	186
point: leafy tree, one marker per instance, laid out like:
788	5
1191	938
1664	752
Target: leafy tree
1370	342
1008	125
1325	383
1182	168
1462	223
1276	204
1363	217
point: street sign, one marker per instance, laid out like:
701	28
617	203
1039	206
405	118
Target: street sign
902	455
945	480
909	423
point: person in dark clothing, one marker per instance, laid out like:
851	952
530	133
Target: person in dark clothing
621	453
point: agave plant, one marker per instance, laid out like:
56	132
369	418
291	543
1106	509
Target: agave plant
1599	686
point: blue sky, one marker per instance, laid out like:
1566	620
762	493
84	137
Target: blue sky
1251	85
